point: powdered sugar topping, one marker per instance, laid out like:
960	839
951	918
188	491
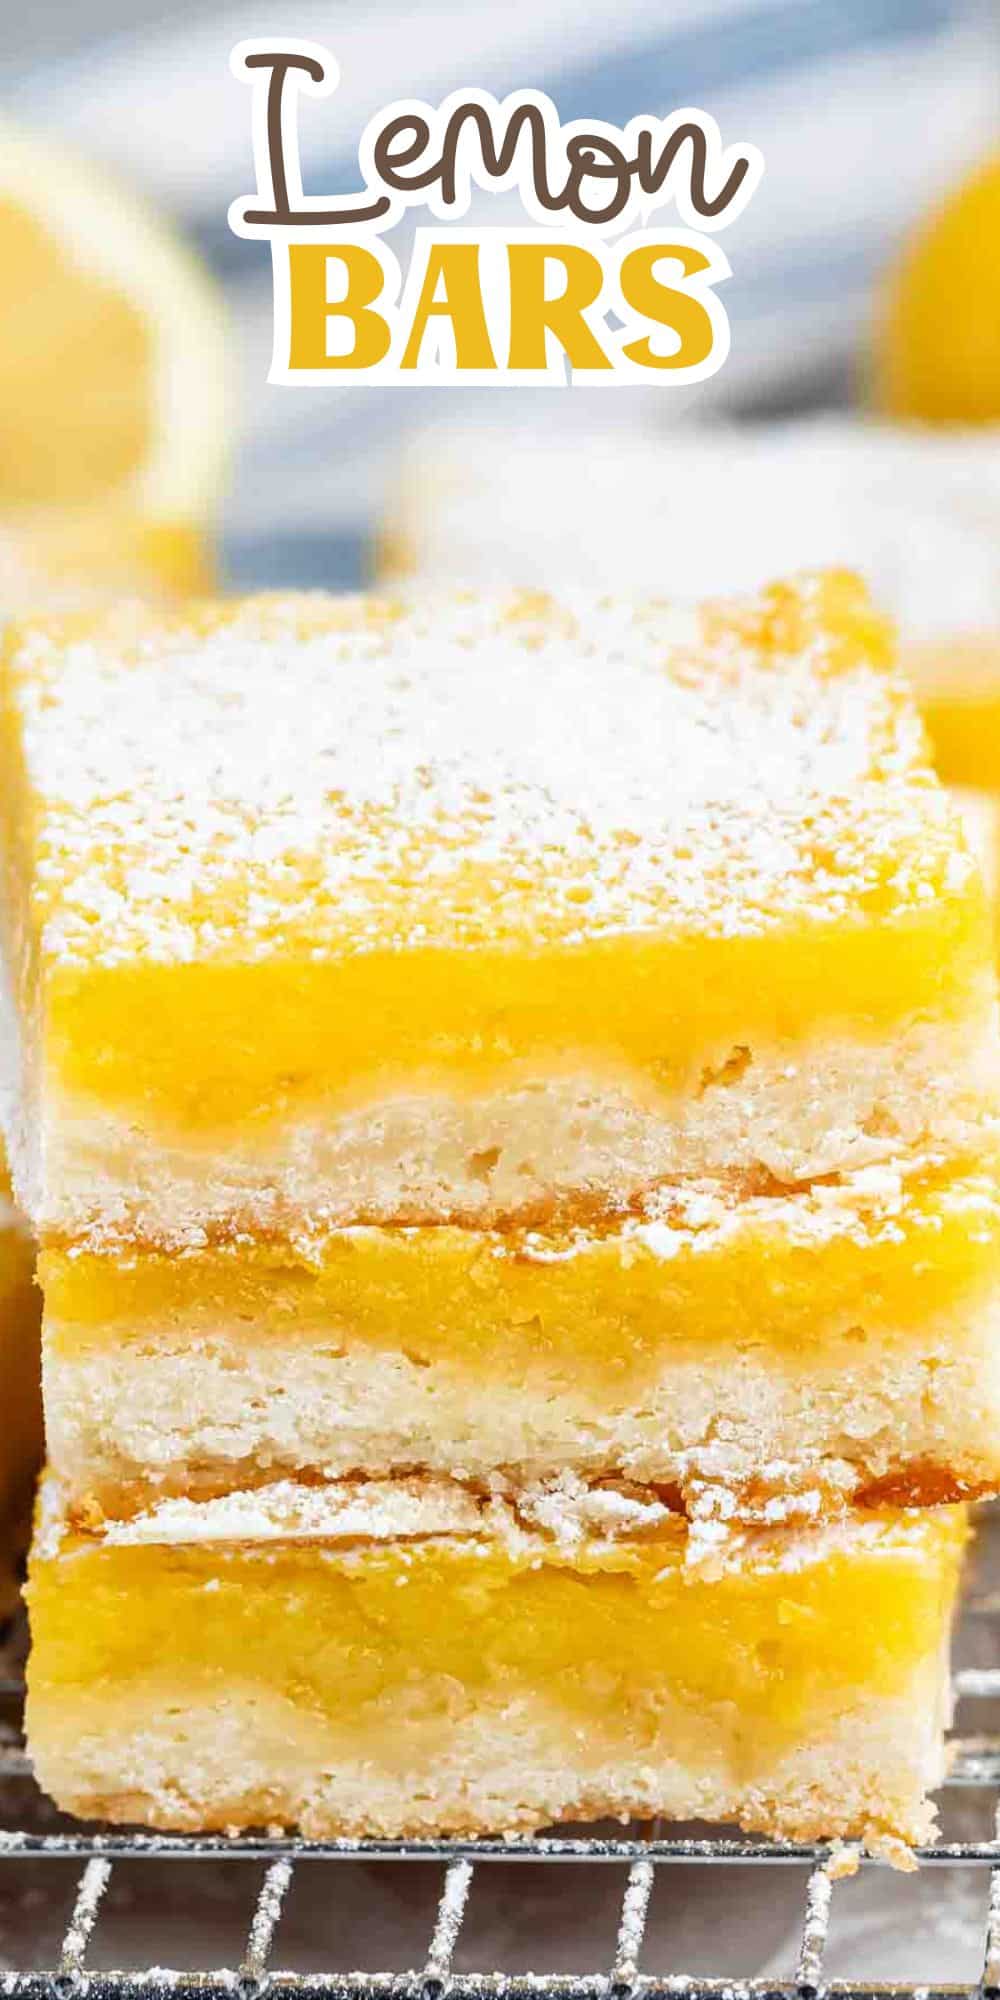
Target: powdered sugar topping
348	775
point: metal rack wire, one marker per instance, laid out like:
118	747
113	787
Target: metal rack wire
639	1858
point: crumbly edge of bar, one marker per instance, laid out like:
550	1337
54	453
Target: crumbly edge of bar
910	1418
862	1773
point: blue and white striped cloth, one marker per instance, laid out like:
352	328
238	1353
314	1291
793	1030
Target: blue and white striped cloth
863	108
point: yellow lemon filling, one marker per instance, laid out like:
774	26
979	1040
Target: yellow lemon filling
204	1048
341	1633
877	1253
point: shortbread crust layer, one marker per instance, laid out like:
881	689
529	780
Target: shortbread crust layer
848	1333
402	1658
458	909
528	1154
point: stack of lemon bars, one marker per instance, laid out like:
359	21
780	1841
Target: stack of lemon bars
506	1093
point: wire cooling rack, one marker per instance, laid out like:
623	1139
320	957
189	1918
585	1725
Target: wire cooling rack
39	1961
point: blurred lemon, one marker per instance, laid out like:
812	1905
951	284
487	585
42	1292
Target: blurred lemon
54	560
938	347
111	358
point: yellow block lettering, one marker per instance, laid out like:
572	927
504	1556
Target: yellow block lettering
667	305
455	268
533	314
318	305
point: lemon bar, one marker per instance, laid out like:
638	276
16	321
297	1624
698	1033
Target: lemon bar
915	509
408	1657
980	816
845	1336
20	1399
958	687
458	910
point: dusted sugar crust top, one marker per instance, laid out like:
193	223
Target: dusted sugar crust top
331	775
584	1523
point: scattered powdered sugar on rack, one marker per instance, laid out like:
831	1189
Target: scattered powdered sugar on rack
93	1884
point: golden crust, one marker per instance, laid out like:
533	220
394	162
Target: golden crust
813	1814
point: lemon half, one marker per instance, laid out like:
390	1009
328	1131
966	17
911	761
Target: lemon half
112	349
937	355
